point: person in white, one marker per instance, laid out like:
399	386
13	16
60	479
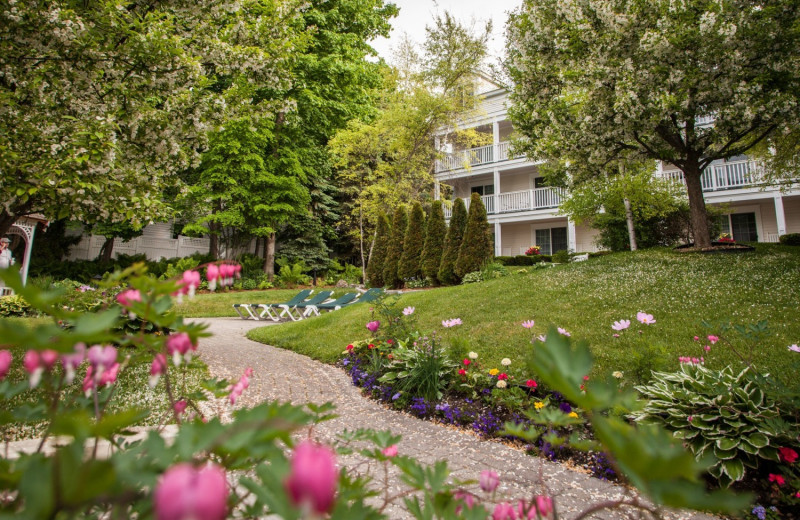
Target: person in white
6	260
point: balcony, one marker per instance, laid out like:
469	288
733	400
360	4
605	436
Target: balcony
516	201
726	176
475	157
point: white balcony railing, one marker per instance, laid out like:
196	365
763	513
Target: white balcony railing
730	175
514	201
475	157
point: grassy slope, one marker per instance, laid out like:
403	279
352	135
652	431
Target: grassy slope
680	290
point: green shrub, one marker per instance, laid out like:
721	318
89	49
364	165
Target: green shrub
176	270
494	270
476	247
292	275
11	306
395	251
473	277
452	243
377	260
505	260
718	413
421	370
435	233
410	265
561	257
249	284
790	239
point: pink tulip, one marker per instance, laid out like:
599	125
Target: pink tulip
127	297
504	511
390	451
5	363
185	492
489	480
313	477
373	326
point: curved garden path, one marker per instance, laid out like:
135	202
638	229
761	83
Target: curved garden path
286	376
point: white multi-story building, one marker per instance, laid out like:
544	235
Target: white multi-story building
524	212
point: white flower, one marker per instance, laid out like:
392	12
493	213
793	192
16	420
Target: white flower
617	374
473	355
501	384
505	362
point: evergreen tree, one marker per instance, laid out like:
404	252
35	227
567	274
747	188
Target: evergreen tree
476	248
395	249
410	262
452	243
377	260
435	233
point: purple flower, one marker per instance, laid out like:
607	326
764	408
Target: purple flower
373	326
565	407
396	396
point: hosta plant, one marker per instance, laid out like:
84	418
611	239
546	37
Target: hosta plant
719	414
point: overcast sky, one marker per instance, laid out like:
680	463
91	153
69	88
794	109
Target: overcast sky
416	14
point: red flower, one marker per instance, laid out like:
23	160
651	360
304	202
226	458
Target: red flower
370	346
530	383
389	341
462	372
350	347
466	362
390	356
778	479
788	455
502	376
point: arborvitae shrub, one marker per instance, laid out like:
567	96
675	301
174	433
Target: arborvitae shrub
409	266
377	260
452	243
395	250
435	233
476	247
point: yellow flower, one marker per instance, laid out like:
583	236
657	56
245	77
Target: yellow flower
538	405
493	372
573	415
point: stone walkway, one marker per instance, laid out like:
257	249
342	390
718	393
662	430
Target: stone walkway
286	376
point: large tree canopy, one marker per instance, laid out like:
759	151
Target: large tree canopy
602	81
102	102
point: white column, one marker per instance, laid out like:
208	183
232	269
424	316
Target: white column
780	215
437	190
496	195
498	243
495	141
572	240
28	248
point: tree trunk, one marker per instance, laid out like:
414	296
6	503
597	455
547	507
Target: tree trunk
106	250
629	219
697	205
269	257
213	241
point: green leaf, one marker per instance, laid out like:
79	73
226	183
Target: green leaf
757	440
734	469
727	444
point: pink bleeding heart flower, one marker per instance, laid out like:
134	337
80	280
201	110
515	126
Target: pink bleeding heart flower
101	357
180	406
489	480
373	326
48	358
5	363
71	362
127	297
390	451
32	363
157	368
544	505
313	477
212	272
185	492
713	339
504	511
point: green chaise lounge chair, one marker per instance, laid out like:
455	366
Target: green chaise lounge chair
252	308
338	303
294	311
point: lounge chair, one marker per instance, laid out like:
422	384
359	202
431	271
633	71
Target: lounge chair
252	308
370	296
338	303
295	311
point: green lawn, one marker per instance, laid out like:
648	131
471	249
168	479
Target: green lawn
678	289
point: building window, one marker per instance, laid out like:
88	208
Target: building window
487	189
552	240
741	226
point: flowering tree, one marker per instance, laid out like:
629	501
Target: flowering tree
102	103
599	82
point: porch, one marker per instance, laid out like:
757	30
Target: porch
724	176
517	201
